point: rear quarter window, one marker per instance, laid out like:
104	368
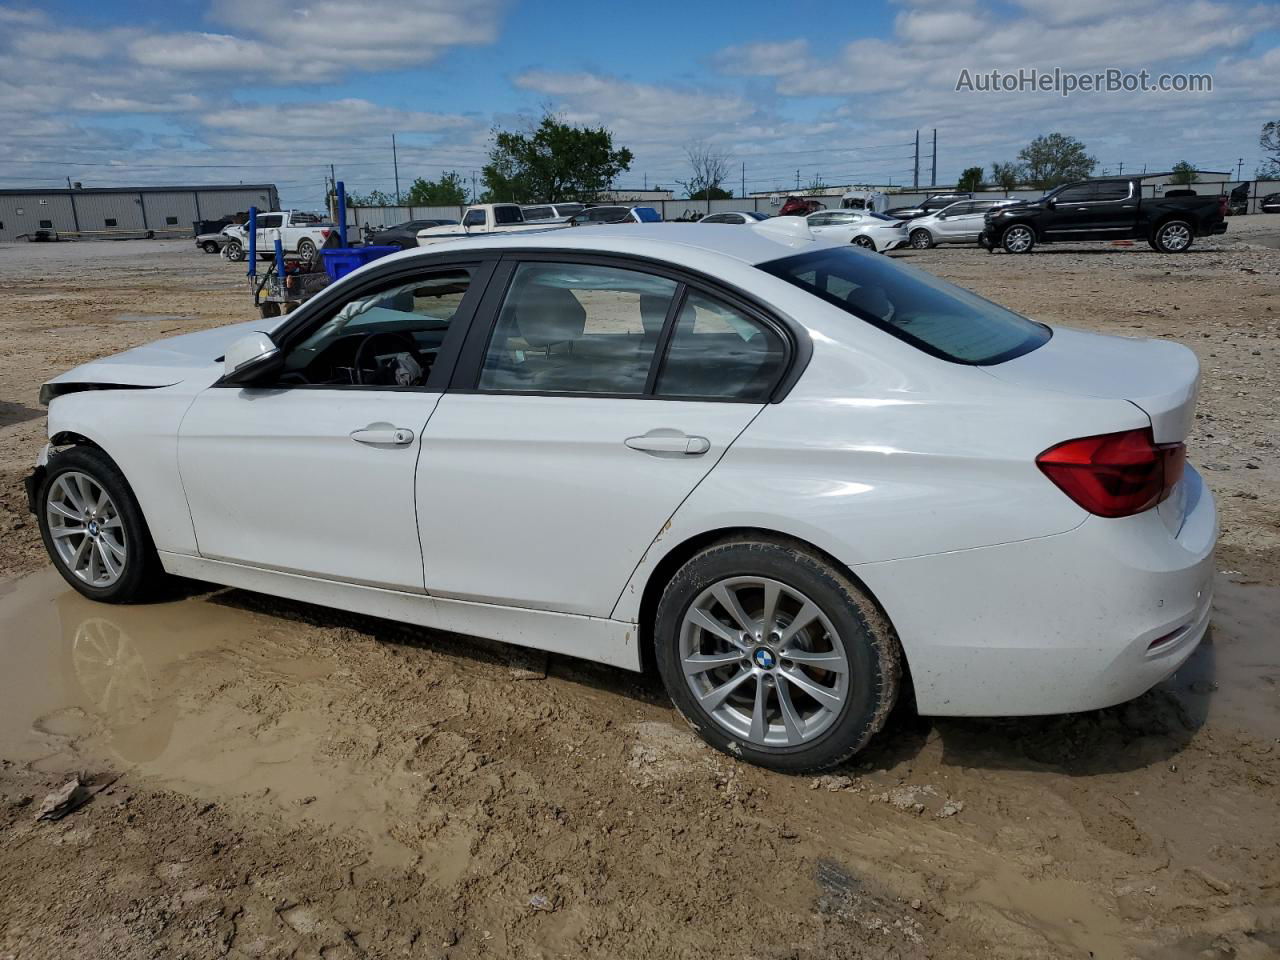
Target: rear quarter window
937	317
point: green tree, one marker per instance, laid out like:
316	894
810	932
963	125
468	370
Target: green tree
554	161
970	180
374	198
1055	158
1269	141
1007	176
710	168
711	193
449	191
1184	173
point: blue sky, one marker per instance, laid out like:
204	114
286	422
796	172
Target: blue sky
114	92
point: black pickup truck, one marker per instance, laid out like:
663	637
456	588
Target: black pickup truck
1112	209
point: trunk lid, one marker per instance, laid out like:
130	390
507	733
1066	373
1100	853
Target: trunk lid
1159	377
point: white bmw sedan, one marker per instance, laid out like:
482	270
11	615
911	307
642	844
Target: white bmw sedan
863	228
787	473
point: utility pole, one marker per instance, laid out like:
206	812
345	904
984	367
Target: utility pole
1239	167
744	179
395	164
915	177
473	186
1121	168
933	177
333	199
797	181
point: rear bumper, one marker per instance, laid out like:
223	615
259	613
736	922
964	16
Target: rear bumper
1077	621
1216	229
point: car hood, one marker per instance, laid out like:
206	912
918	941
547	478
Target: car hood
190	357
1160	377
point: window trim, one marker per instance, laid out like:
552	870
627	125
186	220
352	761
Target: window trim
796	344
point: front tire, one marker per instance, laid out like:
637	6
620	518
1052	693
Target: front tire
921	239
1018	238
1173	236
775	656
209	247
234	251
93	528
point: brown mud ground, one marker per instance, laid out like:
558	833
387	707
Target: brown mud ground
278	780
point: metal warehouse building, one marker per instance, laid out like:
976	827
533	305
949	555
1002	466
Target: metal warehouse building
105	212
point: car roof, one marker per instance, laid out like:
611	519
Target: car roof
752	245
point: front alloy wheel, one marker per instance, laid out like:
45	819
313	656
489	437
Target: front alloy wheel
921	239
1018	239
86	529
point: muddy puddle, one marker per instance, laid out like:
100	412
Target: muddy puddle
215	696
207	698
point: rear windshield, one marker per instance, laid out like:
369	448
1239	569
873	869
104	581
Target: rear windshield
937	317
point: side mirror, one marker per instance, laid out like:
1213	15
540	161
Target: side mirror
249	358
1051	204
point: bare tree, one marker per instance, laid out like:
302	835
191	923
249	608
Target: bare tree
709	168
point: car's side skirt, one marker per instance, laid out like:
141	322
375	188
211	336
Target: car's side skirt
613	642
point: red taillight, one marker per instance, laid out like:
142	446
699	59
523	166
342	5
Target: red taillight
1223	203
1115	474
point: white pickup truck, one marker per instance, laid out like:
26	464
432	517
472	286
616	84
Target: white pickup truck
484	218
300	233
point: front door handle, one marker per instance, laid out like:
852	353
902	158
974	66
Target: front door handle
383	435
669	443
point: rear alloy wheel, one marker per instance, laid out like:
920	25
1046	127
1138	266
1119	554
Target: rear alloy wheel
865	242
1018	239
774	656
306	251
921	239
1175	236
93	528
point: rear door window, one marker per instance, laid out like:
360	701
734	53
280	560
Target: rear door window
935	316
717	352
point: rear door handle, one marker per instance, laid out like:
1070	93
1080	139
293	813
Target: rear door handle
383	435
669	443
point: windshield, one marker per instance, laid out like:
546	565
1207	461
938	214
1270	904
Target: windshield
935	316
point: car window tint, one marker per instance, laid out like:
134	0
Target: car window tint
1112	190
1080	193
507	215
538	213
269	222
404	327
474	218
577	328
720	353
912	305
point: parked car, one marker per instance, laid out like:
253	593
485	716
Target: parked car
872	200
874	231
960	222
800	207
615	214
730	453
405	235
735	216
482	218
1105	210
1238	200
1270	203
931	204
552	211
214	242
301	234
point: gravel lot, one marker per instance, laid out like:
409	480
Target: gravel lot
276	779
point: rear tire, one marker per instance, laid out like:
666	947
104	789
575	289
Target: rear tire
755	687
865	242
94	530
1173	236
306	251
